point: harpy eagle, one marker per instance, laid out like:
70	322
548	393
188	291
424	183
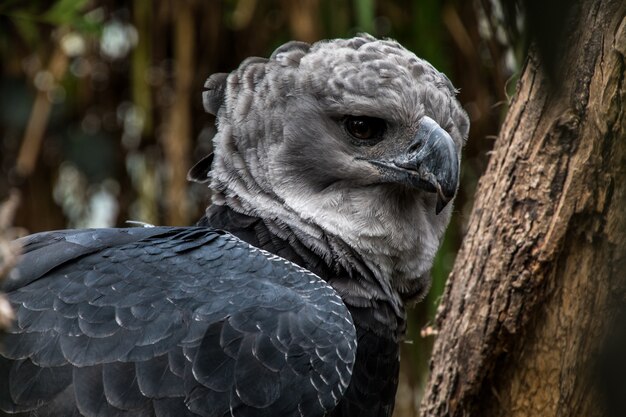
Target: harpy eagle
334	165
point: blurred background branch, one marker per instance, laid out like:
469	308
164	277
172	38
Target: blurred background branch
40	113
177	140
101	114
9	251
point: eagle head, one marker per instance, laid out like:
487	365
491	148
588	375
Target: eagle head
358	139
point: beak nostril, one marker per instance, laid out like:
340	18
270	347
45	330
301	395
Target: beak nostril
415	146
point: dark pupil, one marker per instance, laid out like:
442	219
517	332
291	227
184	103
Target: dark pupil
360	128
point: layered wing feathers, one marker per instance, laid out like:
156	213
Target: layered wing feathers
170	321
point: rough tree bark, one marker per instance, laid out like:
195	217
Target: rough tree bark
545	247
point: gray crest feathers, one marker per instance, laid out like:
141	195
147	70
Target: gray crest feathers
213	97
290	53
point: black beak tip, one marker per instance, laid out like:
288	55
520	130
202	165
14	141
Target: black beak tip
440	205
442	201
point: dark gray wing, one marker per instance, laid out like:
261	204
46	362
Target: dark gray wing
170	322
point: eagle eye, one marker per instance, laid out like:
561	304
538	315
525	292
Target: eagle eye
364	127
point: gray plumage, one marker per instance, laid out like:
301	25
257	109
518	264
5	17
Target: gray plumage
282	153
157	321
340	158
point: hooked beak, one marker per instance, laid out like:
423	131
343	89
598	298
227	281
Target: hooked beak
430	163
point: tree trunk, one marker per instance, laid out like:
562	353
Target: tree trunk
545	249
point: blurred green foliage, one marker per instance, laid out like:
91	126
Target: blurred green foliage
365	14
26	16
102	155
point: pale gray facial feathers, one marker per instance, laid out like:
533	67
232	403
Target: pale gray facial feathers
283	150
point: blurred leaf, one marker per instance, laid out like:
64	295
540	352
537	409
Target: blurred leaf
70	13
7	4
442	267
27	15
365	15
26	28
427	31
64	10
335	17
